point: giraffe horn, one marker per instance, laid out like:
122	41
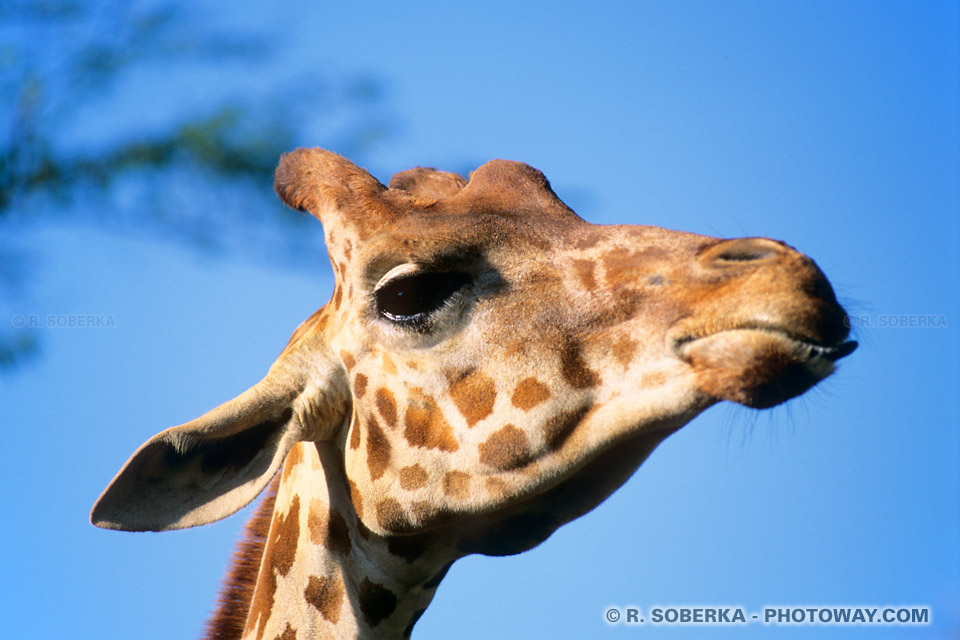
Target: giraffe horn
513	186
428	183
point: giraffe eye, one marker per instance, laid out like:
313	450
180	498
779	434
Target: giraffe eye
409	299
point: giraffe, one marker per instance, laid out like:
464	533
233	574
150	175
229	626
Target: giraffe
489	367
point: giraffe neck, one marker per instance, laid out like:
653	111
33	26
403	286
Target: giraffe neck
323	574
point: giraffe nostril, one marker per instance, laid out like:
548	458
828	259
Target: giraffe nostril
742	250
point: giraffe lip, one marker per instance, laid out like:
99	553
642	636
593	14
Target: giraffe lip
804	348
758	366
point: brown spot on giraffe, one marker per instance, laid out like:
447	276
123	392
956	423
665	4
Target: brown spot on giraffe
323	321
584	271
376	602
294	458
573	367
355	432
378	449
317	523
529	393
284	549
426	427
356	498
655	379
413	477
328	528
456	484
587	239
624	349
496	487
388	364
349	362
325	594
338	533
507	448
387	406
337	297
359	386
544	277
474	394
289	633
392	517
621	265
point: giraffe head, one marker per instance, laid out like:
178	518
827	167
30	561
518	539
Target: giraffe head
490	365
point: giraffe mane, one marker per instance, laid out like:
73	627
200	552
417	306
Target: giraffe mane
233	602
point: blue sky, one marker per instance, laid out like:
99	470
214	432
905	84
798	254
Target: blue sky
833	126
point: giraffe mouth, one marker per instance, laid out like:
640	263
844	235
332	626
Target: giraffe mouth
805	348
758	366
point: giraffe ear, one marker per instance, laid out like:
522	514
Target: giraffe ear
200	471
207	469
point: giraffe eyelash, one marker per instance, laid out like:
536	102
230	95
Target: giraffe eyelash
410	297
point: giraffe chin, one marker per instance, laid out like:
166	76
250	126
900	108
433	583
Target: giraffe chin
759	368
